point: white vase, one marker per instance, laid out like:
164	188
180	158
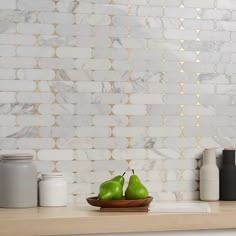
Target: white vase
209	176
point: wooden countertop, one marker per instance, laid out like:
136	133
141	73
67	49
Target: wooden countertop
88	220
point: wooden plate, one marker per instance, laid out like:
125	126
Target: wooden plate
123	203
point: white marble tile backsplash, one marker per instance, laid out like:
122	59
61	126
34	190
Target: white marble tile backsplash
95	88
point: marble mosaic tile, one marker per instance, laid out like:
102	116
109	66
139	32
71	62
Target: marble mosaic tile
95	88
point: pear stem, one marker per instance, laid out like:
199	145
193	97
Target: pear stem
124	173
133	171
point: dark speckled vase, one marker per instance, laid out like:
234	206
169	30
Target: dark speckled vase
228	176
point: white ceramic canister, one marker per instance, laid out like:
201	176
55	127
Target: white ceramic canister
52	190
209	177
18	181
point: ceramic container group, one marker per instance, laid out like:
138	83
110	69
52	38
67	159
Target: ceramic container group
215	183
21	188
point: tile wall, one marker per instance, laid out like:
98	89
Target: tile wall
97	87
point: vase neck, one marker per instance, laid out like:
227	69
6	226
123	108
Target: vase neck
229	157
209	156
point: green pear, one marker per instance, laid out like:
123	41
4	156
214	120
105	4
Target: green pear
120	179
112	189
135	189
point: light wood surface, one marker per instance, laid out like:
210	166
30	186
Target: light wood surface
88	220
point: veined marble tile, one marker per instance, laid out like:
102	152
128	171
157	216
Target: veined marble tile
56	86
110	143
70	52
17	39
93	19
35	143
180	142
35	120
92	154
92	177
180	120
56	132
75	7
110	120
180	34
55	155
11	4
214	35
18	132
74	120
30	51
78	98
146	142
228	4
164	131
7	74
56	109
17	85
44	166
146	99
146	164
28	5
56	63
16	108
129	110
35	74
187	186
74	166
165	3
29	97
110	31
135	2
8	120
180	99
76	188
96	41
56	18
93	64
8	27
110	165
109	98
74	75
74	143
17	16
200	3
93	131
93	88
145	121
7	51
180	12
93	109
198	24
7	97
17	62
129	132
30	28
79	30
217	14
129	154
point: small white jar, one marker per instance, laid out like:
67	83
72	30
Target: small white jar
52	190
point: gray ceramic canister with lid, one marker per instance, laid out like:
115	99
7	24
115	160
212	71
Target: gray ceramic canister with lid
18	181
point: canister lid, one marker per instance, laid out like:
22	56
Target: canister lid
17	156
53	175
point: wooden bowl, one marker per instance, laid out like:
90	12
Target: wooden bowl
123	203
